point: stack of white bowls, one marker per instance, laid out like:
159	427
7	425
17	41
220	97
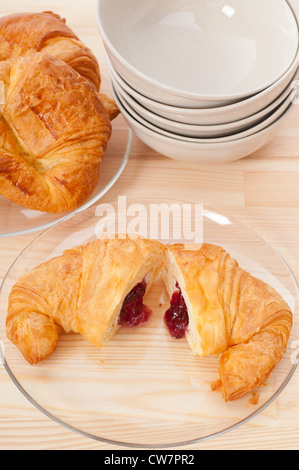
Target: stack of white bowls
202	80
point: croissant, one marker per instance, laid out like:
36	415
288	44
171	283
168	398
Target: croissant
91	290
25	33
223	309
54	130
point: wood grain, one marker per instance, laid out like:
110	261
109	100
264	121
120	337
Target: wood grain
262	190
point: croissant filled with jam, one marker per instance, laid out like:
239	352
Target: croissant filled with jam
222	309
95	289
91	290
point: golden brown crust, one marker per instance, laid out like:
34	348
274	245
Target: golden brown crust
81	291
53	134
233	313
25	33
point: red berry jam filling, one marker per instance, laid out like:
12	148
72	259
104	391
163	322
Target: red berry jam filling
133	312
176	317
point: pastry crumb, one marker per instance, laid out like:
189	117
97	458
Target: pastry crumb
254	399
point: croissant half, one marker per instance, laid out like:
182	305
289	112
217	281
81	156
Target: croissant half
89	290
54	130
230	312
25	33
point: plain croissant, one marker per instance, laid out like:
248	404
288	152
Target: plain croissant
90	290
25	33
54	130
229	312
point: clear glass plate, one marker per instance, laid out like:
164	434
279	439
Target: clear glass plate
144	389
17	220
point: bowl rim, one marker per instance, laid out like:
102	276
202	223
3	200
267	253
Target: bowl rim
240	136
293	72
226	99
195	145
210	127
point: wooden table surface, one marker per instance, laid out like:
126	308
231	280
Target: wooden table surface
262	190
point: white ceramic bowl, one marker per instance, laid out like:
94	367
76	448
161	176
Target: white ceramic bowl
194	131
199	54
204	153
274	116
213	116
